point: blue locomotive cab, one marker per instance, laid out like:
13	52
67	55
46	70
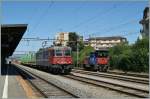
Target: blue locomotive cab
92	59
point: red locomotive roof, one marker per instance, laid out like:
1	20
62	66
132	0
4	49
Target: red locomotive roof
55	47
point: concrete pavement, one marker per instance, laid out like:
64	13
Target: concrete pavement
15	88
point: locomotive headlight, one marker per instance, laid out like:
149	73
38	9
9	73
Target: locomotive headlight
58	62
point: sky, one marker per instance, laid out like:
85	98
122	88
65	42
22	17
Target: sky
45	19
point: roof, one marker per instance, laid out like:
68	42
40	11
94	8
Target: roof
54	47
107	38
11	35
103	49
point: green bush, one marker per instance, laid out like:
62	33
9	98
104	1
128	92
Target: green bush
131	57
124	63
81	55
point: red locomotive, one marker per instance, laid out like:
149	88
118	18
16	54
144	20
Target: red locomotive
55	59
97	60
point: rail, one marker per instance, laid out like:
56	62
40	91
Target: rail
117	87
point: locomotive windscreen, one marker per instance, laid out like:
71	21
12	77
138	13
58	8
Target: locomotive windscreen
102	53
61	51
92	54
58	52
67	52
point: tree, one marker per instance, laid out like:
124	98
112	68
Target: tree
140	55
73	40
80	45
118	54
124	63
131	57
85	52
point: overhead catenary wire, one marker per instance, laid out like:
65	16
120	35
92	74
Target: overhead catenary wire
24	51
30	20
42	16
123	35
130	33
75	11
37	39
123	22
114	27
118	26
108	29
94	17
44	39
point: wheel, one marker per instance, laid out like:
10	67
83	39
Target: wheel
99	68
56	70
66	72
105	68
50	69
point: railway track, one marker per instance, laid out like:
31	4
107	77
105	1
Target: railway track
129	74
44	87
122	73
115	76
136	92
113	86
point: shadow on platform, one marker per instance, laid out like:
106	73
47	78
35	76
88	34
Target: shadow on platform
12	70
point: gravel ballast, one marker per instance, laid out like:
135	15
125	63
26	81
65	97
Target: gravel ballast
78	88
115	81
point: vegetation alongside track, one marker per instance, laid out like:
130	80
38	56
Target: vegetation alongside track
131	57
124	57
82	54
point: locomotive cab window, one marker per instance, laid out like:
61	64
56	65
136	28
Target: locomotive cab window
92	54
58	52
67	52
102	53
53	53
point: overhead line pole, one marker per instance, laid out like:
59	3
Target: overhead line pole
42	39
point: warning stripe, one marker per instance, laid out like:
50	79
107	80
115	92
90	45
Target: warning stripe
28	90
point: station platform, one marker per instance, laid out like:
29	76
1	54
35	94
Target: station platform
12	85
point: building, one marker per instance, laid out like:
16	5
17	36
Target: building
80	38
86	43
62	38
145	23
105	42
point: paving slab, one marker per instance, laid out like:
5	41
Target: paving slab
15	90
